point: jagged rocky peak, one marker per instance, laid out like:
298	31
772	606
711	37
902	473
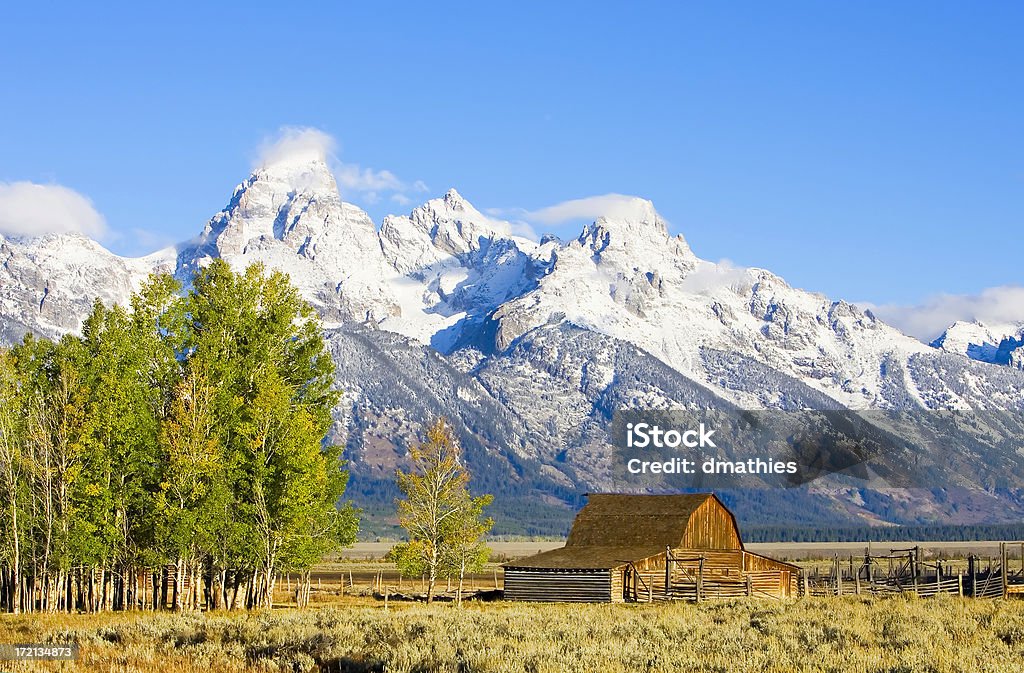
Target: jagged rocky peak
294	201
632	225
437	231
455	226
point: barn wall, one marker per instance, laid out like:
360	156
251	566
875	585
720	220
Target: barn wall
757	562
618	579
711	526
572	586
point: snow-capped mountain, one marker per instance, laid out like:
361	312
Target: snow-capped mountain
289	216
532	347
48	284
1001	343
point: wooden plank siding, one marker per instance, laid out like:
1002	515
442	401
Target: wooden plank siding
571	586
711	526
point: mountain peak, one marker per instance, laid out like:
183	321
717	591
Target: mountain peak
454	200
628	218
998	343
629	226
310	175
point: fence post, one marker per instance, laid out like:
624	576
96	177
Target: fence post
1002	571
960	584
668	573
700	578
750	586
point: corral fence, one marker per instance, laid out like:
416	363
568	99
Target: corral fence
898	571
903	571
703	577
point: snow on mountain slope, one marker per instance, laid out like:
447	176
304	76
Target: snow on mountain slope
289	216
450	277
48	284
454	266
1001	343
629	279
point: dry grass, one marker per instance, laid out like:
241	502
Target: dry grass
833	634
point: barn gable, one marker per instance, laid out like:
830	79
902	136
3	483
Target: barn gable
689	520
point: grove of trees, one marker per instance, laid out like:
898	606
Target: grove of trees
173	454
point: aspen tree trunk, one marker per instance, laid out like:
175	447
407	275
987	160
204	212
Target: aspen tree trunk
15	567
462	576
223	602
432	574
179	577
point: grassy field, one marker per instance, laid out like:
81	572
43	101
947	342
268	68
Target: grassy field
836	634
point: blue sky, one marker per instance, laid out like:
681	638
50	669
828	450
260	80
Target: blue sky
872	151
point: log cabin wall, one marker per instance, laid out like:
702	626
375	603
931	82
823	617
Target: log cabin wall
563	586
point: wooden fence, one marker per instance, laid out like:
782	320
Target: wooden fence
899	571
903	571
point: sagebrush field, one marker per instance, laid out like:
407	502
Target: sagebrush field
831	634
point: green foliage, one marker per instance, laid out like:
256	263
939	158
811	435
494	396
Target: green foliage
188	430
443	521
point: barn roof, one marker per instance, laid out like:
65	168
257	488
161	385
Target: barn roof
626	520
587	558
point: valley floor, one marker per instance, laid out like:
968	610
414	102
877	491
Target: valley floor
831	634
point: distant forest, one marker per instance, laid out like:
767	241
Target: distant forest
884	534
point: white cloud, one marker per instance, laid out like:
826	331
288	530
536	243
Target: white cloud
294	144
355	178
613	206
522	230
926	321
590	208
709	276
30	209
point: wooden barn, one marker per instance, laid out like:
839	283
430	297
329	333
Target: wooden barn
650	547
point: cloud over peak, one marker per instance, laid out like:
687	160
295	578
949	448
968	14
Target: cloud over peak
302	144
294	144
927	320
612	206
31	209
